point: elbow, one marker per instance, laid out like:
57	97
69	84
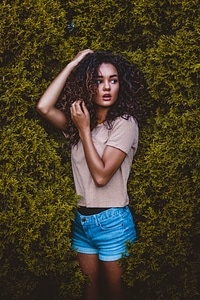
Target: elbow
101	181
41	109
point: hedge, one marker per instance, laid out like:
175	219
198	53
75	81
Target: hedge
37	194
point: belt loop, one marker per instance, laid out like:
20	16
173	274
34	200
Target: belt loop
96	220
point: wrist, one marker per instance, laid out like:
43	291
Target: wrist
84	134
71	65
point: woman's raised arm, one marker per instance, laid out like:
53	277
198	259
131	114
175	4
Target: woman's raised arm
46	104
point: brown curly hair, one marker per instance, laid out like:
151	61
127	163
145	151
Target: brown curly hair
82	84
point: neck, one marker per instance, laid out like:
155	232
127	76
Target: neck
101	115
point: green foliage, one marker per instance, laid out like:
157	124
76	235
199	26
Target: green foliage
37	194
165	191
33	47
172	69
164	18
37	202
165	180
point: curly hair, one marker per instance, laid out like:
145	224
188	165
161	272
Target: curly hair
82	84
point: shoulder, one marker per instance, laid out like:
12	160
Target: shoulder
123	128
124	134
124	122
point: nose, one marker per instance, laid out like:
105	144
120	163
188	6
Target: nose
106	86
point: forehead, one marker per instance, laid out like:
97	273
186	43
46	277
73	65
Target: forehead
107	69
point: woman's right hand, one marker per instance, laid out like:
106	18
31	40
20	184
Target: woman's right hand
79	57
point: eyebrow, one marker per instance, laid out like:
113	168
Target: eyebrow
111	76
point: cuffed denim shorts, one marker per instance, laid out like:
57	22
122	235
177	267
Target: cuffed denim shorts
105	234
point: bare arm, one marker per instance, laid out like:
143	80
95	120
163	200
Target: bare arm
101	169
46	105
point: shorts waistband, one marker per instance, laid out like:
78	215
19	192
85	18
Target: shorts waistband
108	213
88	211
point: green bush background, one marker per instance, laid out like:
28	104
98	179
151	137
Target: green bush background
37	195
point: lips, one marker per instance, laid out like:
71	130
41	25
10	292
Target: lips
106	97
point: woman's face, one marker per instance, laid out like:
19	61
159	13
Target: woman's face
108	85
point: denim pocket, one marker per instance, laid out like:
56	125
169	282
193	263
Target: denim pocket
114	223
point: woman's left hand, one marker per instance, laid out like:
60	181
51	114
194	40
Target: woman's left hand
80	115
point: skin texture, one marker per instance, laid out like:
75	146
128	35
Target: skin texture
101	168
112	287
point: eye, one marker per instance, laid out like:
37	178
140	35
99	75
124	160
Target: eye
114	81
99	81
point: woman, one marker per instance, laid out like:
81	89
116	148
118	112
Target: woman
94	101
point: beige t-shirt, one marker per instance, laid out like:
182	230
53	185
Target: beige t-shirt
124	136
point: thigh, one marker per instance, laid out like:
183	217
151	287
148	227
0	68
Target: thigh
112	271
114	286
89	264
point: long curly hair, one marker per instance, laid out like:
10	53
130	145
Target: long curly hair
82	84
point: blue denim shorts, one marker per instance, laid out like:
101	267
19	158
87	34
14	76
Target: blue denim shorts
105	233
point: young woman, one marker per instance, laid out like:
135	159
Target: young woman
94	101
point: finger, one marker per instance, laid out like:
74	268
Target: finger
79	107
82	54
84	108
76	107
73	108
86	51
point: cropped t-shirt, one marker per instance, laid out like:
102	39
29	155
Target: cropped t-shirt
124	136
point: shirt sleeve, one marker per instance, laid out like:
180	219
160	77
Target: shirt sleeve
124	135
